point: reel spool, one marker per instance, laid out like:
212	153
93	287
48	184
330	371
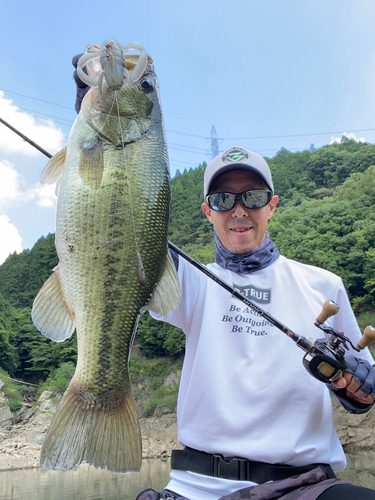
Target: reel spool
324	359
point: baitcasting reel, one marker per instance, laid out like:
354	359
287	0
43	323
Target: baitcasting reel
324	358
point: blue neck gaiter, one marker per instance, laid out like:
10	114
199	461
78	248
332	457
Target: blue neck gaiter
263	256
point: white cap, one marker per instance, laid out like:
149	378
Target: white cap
236	158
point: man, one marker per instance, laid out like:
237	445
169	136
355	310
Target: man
244	392
245	402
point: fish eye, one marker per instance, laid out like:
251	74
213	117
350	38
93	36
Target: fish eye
147	85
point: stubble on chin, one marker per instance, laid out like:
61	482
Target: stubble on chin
246	250
242	249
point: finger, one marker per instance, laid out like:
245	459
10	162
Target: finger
354	391
361	398
362	372
353	386
368	384
343	381
340	383
368	398
348	376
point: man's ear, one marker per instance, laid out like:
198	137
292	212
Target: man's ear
272	205
207	211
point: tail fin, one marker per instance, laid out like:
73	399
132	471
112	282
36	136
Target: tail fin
105	438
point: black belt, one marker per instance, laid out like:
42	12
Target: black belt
238	469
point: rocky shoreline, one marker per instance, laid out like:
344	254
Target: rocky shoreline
22	433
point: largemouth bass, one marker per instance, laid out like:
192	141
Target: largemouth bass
111	238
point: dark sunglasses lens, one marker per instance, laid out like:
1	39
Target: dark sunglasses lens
221	201
255	199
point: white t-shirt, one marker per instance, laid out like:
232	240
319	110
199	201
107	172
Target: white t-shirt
244	391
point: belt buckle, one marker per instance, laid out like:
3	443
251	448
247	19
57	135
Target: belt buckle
230	468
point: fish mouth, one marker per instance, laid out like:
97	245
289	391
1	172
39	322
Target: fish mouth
108	63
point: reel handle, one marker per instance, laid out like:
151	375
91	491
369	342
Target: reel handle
368	337
330	308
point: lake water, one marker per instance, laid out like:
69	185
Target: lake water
84	483
88	483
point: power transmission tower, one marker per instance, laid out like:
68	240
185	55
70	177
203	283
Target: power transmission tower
214	142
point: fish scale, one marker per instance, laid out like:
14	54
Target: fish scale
113	247
111	238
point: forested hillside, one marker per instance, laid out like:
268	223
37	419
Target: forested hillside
325	217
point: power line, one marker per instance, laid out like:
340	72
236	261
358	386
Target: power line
25	229
282	147
185	146
183	133
275	136
187	150
205	137
182	162
40	100
45	114
298	135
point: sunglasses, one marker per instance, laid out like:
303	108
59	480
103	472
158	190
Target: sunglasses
255	198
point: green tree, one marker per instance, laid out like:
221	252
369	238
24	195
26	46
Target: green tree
22	275
325	217
156	338
9	359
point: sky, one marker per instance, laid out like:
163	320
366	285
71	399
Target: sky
266	73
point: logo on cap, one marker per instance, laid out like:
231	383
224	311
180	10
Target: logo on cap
235	155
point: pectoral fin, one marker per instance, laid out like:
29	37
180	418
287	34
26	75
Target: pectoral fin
167	294
91	164
50	313
54	169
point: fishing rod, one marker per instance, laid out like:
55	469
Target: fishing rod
26	139
235	293
324	358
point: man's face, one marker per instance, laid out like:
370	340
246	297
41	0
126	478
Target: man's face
241	230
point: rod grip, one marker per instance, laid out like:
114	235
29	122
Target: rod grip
330	308
368	337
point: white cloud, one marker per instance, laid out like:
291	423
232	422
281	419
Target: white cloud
11	192
43	132
43	194
9	181
14	189
349	136
10	240
10	188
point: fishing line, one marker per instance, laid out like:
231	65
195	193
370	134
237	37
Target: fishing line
98	131
127	174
